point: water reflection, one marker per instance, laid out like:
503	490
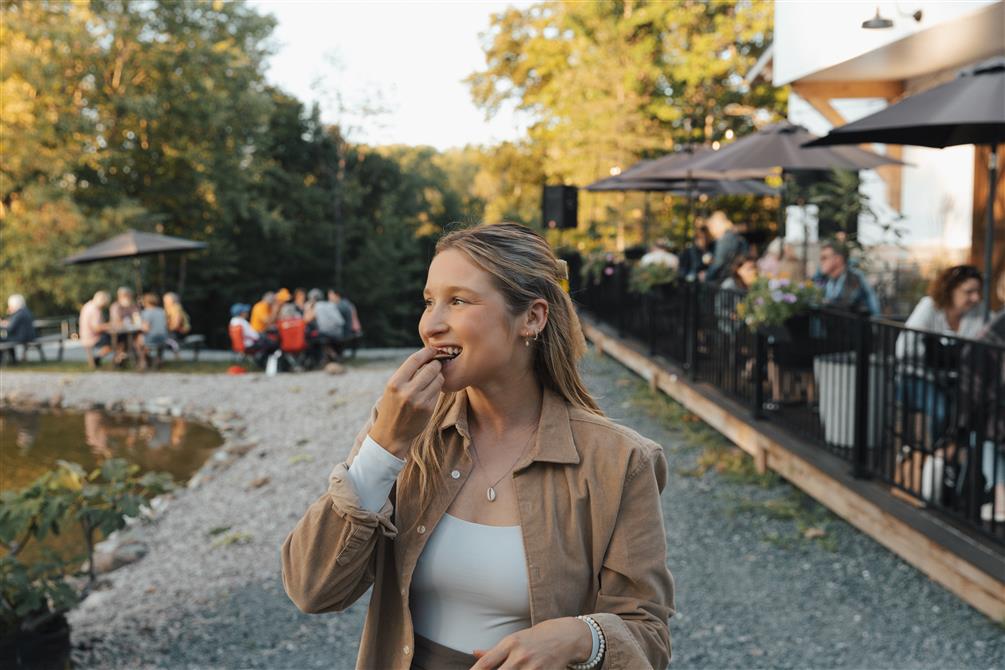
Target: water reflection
32	442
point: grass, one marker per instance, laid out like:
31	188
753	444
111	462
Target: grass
810	521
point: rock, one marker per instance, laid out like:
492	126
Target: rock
259	482
335	368
56	400
124	554
242	449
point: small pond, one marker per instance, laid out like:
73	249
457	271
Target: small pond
31	443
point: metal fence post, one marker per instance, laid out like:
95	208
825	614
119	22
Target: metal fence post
863	349
757	376
691	329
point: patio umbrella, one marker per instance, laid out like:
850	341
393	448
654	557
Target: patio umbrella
133	244
683	187
967	110
778	147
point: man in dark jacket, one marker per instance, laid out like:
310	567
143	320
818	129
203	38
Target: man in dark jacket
729	246
19	323
845	287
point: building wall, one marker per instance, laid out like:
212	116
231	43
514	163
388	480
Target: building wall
937	184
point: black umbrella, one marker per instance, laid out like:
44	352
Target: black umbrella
968	110
683	187
133	244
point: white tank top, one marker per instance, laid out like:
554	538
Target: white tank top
470	587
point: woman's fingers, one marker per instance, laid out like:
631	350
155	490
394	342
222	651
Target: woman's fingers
412	364
426	374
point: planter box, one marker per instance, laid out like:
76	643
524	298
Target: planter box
835	379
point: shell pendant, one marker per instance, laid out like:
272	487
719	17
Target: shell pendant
491	494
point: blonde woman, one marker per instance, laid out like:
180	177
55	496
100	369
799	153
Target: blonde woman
501	519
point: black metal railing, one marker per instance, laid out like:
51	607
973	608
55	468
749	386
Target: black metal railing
923	413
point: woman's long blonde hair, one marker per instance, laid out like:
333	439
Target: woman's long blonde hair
523	269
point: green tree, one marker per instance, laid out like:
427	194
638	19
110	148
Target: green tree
609	83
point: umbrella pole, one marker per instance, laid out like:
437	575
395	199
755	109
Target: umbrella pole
181	276
139	278
645	218
989	230
689	224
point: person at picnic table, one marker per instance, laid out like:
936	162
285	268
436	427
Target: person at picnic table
154	326
501	519
845	287
300	299
950	308
123	311
264	312
729	245
178	322
250	337
697	256
660	254
20	323
352	327
93	329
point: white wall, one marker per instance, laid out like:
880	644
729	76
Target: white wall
937	186
811	35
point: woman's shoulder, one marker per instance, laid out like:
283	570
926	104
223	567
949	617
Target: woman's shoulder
599	439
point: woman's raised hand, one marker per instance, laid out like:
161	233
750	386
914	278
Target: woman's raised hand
408	402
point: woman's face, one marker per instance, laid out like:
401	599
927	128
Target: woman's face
748	272
967	295
464	310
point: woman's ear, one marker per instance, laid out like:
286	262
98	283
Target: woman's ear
536	316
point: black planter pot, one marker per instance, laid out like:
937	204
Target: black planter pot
45	649
791	344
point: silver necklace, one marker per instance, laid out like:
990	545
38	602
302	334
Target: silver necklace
490	492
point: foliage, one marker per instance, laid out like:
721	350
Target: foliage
644	278
596	266
157	116
97	502
770	302
607	83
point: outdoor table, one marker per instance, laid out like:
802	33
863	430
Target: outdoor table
126	335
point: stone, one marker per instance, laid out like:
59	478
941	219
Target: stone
259	482
334	368
124	554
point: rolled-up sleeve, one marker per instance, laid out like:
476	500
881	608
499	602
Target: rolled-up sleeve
328	557
636	597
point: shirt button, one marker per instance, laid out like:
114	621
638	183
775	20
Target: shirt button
407	650
421	529
456	474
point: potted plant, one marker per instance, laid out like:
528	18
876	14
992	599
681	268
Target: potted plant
36	594
644	278
596	266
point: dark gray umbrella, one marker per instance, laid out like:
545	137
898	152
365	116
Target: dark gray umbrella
684	187
133	244
968	110
776	147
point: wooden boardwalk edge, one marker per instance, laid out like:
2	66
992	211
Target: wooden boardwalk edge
975	584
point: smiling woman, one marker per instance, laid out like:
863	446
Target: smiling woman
499	516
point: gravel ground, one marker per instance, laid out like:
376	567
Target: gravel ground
766	578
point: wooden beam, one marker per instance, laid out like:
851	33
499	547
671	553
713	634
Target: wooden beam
976	586
892	175
831	90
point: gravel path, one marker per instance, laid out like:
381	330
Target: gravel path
766	578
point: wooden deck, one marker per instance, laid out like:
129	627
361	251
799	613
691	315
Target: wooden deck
960	563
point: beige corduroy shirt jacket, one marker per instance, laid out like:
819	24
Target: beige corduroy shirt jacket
589	503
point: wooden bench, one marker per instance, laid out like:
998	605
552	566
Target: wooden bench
54	330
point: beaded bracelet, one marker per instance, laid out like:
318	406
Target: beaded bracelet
597	657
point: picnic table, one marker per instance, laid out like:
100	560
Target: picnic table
125	338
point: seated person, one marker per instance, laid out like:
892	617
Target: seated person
123	311
154	324
92	329
845	287
263	314
178	322
239	317
948	309
352	326
20	323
